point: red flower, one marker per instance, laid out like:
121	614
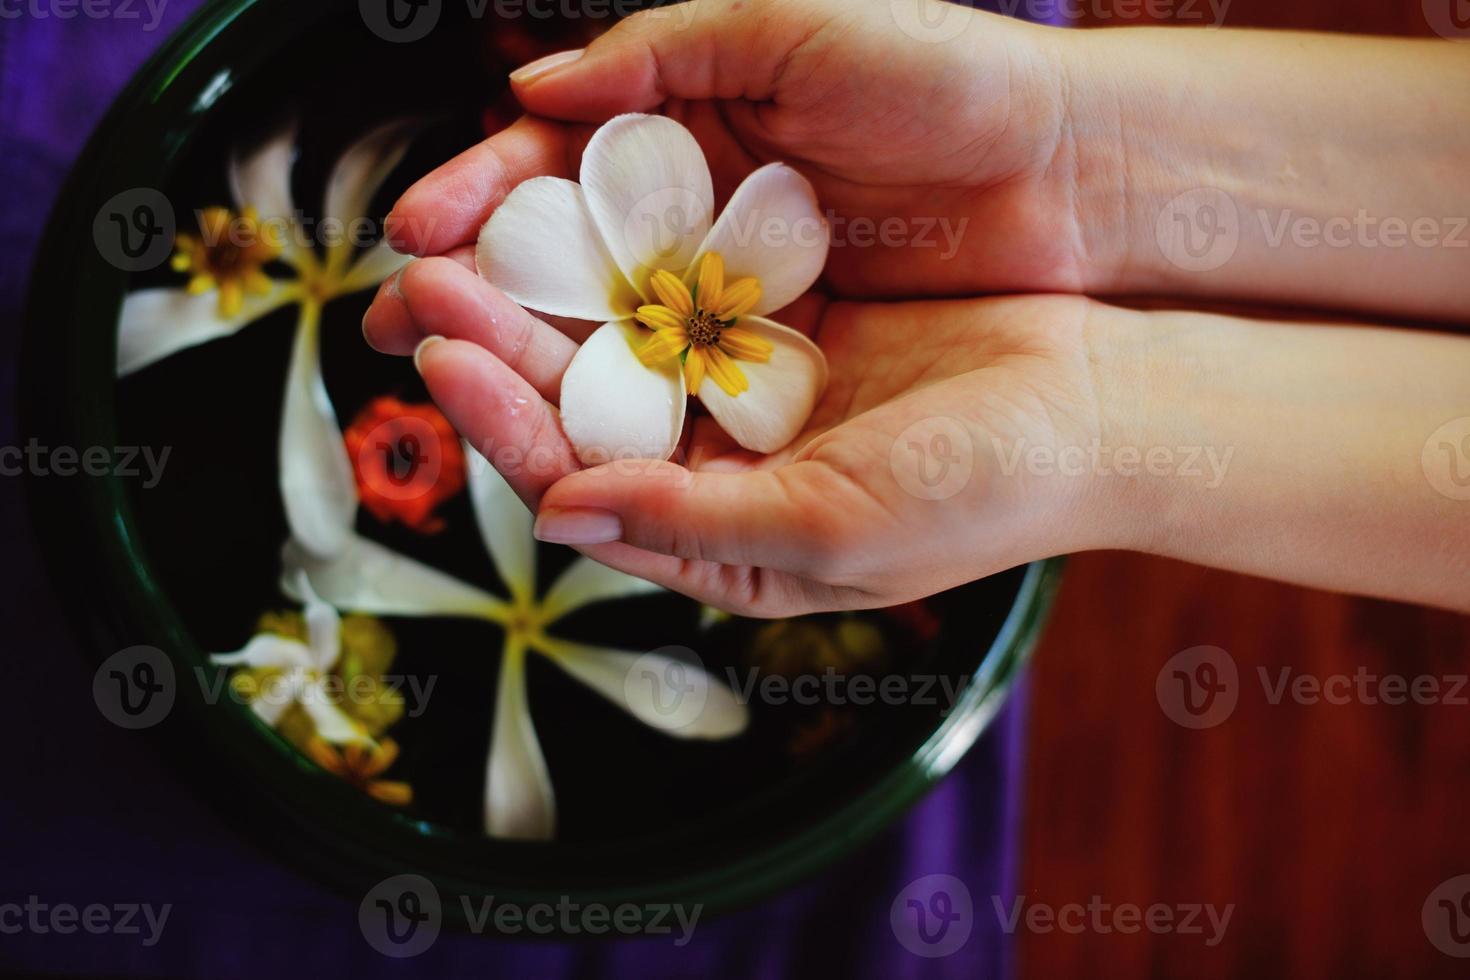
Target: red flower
408	461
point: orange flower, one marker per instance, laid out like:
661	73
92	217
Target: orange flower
361	766
408	461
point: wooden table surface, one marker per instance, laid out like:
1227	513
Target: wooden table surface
1327	826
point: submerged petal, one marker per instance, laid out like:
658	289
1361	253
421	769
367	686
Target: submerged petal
586	581
372	267
650	193
505	525
542	249
773	231
675	697
332	723
615	407
519	803
369	578
358	174
779	392
266	650
155	323
261	179
317	485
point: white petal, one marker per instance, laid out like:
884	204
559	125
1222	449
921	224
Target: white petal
586	581
317	485
650	193
676	697
332	723
773	230
613	406
782	391
266	650
518	797
542	250
261	179
277	694
323	627
372	267
505	525
358	174
155	323
369	578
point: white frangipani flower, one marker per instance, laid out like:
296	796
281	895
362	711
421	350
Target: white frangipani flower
366	577
635	243
228	289
304	668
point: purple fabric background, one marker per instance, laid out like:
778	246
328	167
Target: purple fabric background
90	814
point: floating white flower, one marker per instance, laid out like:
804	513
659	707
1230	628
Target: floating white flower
303	670
683	296
519	803
229	288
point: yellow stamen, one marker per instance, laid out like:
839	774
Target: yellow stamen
746	344
694	370
724	372
662	346
656	317
738	299
711	282
672	292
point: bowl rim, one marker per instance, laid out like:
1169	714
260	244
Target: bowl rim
113	600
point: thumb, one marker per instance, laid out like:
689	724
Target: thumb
698	49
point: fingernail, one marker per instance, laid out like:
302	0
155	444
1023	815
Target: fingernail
418	352
577	525
543	65
394	289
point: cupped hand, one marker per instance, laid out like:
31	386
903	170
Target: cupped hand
905	480
940	158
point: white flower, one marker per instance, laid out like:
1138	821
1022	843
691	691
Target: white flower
634	243
369	578
304	668
317	485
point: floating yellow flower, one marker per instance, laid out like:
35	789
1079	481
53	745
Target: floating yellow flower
228	256
634	243
360	766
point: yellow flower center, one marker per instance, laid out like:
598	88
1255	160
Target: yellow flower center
227	255
700	326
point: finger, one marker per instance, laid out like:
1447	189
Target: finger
499	413
445	299
796	518
446	208
387	325
694	50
